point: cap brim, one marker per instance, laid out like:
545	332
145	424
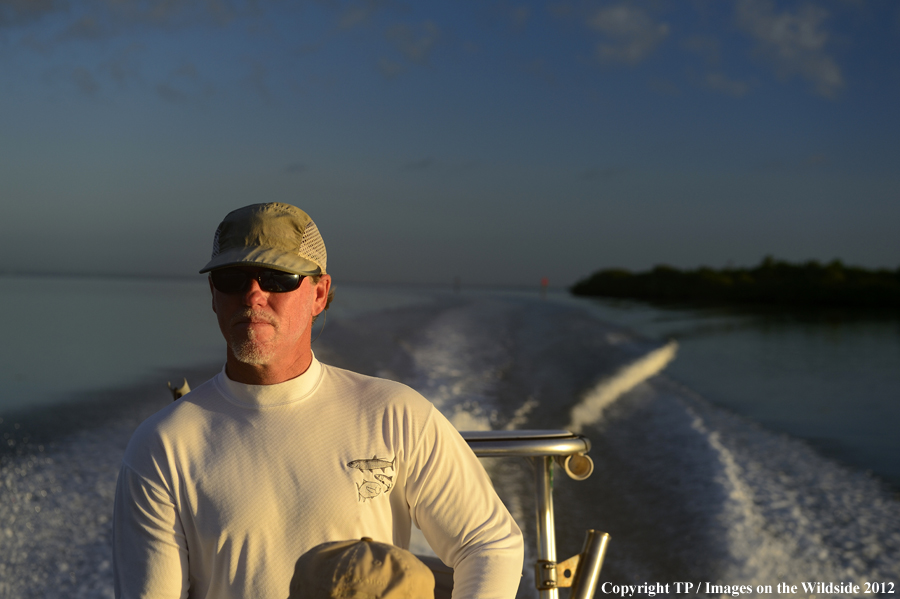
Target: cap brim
267	257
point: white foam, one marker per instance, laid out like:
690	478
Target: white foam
590	409
791	515
780	510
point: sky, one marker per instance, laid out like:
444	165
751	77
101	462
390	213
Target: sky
495	141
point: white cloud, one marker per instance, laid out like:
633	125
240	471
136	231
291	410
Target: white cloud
389	68
256	80
185	84
794	42
353	16
170	93
423	164
104	18
631	35
122	67
84	81
416	46
732	87
520	16
604	174
187	70
707	47
664	87
360	13
542	69
86	28
16	12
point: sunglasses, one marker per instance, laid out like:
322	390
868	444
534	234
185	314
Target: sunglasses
237	280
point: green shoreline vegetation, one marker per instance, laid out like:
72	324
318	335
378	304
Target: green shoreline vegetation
772	282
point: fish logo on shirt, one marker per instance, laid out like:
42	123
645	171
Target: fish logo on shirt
375	463
369	489
385	480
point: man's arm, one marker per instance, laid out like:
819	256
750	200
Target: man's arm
452	500
150	556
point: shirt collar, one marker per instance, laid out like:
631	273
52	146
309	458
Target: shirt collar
260	396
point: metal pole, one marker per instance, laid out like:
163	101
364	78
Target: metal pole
546	531
592	555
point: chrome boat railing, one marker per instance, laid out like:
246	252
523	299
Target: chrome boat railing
542	448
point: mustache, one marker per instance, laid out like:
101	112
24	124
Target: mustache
250	315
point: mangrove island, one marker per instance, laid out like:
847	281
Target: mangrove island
772	282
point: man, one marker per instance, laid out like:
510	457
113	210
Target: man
221	493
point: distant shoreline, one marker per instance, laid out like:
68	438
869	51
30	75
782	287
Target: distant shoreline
772	282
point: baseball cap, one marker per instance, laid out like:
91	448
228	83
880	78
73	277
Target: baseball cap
272	235
363	569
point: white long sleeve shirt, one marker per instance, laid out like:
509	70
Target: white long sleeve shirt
222	491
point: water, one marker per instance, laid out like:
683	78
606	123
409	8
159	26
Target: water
65	336
71	335
689	490
831	378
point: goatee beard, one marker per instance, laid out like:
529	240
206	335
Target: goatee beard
250	350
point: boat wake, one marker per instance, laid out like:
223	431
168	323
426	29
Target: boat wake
687	490
590	409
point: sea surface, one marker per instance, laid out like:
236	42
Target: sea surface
729	448
830	377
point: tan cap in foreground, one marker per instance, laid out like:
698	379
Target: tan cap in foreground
272	235
361	569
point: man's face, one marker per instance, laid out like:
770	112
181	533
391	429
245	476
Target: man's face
266	328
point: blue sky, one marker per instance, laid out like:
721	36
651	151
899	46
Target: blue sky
495	141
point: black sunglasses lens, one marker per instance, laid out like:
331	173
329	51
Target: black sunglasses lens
230	280
278	281
233	280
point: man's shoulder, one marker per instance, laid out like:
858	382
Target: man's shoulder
191	404
348	382
350	378
179	419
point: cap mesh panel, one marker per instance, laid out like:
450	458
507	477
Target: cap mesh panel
312	246
215	251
